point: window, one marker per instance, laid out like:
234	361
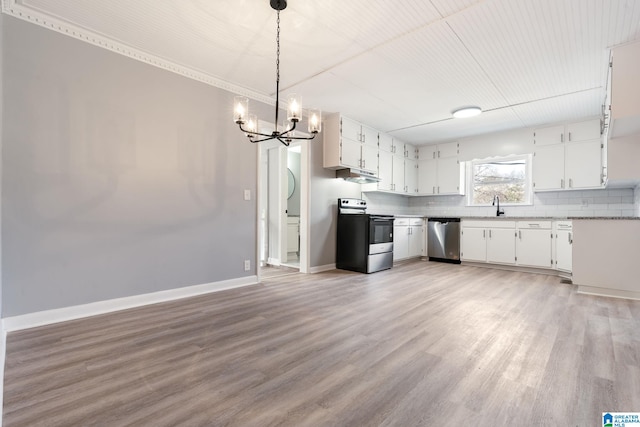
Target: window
506	177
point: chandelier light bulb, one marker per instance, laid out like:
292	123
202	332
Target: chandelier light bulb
241	109
315	121
294	110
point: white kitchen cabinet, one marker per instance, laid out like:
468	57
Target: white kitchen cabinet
583	164
625	91
473	244
575	164
408	238
398	174
386	143
410	152
349	144
385	170
501	245
533	244
411	176
439	171
549	135
488	241
563	246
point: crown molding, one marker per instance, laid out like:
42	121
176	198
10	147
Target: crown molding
40	18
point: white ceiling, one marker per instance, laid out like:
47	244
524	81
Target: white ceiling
400	66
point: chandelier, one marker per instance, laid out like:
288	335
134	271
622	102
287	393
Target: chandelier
248	123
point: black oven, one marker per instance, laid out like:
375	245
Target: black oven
364	241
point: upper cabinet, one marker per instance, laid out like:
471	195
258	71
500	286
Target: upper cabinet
349	144
397	167
439	170
625	91
568	157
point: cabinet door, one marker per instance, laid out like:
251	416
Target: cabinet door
473	244
370	158
398	173
427	176
583	131
449	176
411	176
351	129
534	248
549	135
400	242
350	153
415	240
548	168
427	152
410	152
385	170
564	246
449	149
501	246
583	164
369	136
385	142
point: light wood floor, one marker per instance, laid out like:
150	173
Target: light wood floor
421	344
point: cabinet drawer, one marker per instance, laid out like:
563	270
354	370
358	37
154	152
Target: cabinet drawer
415	221
401	221
489	224
542	225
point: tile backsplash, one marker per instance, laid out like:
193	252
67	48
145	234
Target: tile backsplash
614	202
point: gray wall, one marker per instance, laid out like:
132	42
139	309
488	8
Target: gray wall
324	191
2	19
118	178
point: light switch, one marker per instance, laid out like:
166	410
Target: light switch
247	194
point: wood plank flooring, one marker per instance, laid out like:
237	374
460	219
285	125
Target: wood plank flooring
421	344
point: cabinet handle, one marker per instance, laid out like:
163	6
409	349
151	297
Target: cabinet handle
434	154
570	239
570	183
434	190
363	163
561	137
489	233
519	234
569	136
484	234
561	183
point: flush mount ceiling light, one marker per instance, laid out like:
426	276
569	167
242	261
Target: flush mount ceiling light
466	112
242	117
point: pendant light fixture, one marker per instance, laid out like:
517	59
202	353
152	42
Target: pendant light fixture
248	123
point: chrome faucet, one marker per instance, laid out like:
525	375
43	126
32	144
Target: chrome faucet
496	203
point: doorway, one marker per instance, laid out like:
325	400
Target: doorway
283	206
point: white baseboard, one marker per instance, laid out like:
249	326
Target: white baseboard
605	292
3	352
47	317
321	268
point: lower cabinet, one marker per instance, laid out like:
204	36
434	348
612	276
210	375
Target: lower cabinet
488	241
408	238
533	244
539	244
563	246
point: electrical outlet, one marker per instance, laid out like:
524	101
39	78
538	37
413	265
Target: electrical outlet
585	203
247	194
247	265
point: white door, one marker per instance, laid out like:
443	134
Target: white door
369	158
548	168
411	176
427	176
583	163
473	244
350	153
398	173
549	135
400	242
564	242
534	248
415	240
385	170
501	246
449	179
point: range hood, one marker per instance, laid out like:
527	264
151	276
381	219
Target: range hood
357	175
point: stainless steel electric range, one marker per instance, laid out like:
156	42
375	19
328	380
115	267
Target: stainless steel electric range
364	241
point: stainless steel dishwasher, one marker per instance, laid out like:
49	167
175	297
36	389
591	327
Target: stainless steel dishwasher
443	239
